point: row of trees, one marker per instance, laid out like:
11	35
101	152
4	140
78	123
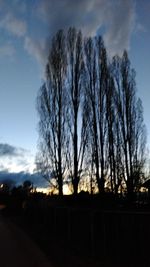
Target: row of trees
91	122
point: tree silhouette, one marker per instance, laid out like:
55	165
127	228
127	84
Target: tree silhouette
52	108
77	122
91	121
130	120
97	84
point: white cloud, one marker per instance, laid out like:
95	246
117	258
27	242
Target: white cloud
13	25
15	159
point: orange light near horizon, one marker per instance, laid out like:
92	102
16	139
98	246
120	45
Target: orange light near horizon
49	191
43	190
66	190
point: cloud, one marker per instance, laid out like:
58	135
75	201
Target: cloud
84	14
13	25
19	177
115	17
8	150
37	48
120	25
7	50
16	159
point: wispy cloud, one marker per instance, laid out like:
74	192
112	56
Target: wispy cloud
116	18
13	25
37	48
120	24
9	150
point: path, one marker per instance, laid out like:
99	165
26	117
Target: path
17	249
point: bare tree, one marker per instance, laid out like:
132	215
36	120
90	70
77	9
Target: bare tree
88	107
130	118
52	108
77	106
96	83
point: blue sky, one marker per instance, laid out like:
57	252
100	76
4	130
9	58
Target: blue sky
25	31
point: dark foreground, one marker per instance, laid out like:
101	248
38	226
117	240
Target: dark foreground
80	232
17	249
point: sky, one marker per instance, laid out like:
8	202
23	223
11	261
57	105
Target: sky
26	28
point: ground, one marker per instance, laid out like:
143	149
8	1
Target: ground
17	249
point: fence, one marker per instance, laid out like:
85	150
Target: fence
115	234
